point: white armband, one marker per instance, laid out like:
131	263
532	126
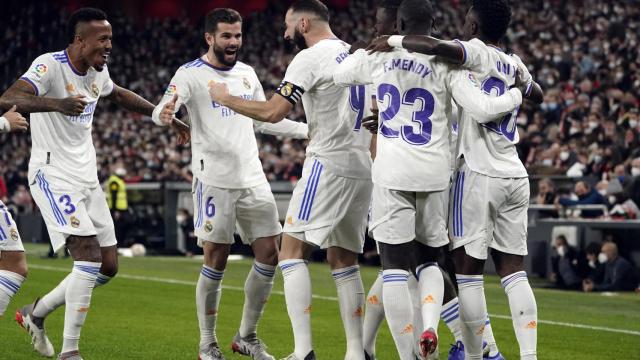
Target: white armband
4	125
395	41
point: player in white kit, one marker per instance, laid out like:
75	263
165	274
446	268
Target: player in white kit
411	171
13	262
229	184
329	205
61	91
491	190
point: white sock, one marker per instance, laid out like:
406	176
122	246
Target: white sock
351	300
297	293
473	311
431	285
10	283
450	315
399	311
257	289
79	287
55	298
373	316
524	312
488	337
208	293
416	305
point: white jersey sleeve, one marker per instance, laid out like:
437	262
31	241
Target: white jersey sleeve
179	85
354	70
475	55
4	125
482	107
41	74
108	86
286	127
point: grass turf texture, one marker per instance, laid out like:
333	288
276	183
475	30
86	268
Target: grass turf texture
137	318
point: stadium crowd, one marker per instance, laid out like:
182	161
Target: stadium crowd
585	55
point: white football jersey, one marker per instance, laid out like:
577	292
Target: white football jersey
490	148
61	141
414	94
223	143
334	113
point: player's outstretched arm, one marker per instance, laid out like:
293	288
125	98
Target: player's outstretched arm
448	51
13	121
131	101
23	96
286	128
483	107
272	110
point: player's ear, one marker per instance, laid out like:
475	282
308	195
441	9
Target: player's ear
209	38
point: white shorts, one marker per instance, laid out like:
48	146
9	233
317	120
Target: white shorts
398	217
9	236
71	210
488	212
327	210
217	211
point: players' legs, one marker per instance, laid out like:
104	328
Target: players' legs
397	297
346	274
209	290
522	302
450	313
431	292
297	290
259	283
373	316
13	272
85	251
473	308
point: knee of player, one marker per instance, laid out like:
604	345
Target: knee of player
22	269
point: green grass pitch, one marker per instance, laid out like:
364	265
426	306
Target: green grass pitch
148	312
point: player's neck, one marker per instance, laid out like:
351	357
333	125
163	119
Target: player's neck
315	37
76	61
213	60
490	42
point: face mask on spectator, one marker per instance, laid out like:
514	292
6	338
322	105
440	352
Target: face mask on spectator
603	192
602	258
180	218
569	102
633	123
562	251
564	155
547	162
593	125
592	264
635	171
574	131
597	158
612	199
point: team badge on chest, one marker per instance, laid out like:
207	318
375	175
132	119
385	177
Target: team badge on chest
246	83
94	90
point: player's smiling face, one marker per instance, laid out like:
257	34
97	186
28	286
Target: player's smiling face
226	43
95	43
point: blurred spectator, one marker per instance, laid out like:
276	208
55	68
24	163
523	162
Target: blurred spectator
185	226
116	193
585	196
619	274
567	265
546	196
595	270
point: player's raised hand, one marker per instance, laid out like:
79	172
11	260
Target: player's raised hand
379	44
219	92
16	121
168	110
184	133
73	105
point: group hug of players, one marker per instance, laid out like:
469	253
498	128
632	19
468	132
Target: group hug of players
445	179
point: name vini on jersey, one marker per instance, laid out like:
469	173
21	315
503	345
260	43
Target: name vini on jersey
409	65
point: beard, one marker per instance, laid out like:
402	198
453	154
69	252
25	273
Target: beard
220	54
298	40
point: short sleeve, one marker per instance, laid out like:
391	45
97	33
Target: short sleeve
300	77
107	84
40	74
258	92
354	70
474	55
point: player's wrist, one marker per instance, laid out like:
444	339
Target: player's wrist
5	126
395	41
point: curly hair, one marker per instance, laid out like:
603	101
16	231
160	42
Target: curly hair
494	17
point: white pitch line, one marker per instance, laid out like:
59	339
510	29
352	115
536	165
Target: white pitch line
333	298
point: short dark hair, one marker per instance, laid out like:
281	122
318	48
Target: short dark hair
593	248
83	15
315	7
220	15
416	11
391	5
494	17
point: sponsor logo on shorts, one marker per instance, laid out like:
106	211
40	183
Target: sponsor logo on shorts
75	222
407	330
287	89
208	226
94	89
14	235
246	83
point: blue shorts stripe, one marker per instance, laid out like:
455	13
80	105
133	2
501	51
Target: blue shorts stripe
10	285
461	222
56	212
199	202
313	194
56	208
307	189
3	235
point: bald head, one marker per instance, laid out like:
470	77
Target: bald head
611	250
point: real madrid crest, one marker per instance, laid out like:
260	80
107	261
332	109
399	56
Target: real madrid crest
94	90
75	222
246	83
208	226
286	90
14	235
